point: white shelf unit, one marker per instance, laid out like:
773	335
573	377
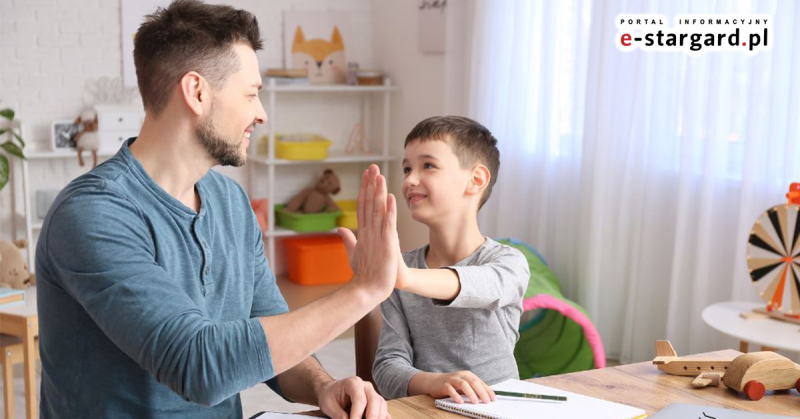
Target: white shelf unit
382	157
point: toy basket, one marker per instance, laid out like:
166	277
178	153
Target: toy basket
324	221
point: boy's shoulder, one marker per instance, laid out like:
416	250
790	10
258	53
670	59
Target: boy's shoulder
488	252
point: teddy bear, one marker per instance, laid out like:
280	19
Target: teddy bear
317	199
14	271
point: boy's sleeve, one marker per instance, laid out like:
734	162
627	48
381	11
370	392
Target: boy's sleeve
500	282
394	360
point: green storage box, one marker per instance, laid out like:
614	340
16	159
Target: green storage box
325	221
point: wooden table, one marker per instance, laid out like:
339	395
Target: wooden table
640	385
22	320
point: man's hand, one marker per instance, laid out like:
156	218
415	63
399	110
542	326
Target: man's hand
335	398
374	253
453	385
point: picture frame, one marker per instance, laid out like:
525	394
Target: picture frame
62	136
320	43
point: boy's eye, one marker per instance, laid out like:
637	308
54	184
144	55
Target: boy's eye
406	170
429	166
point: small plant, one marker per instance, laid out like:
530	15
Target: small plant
13	147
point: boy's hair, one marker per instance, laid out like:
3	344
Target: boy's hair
471	143
189	36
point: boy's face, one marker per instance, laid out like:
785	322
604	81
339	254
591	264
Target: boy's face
235	111
435	184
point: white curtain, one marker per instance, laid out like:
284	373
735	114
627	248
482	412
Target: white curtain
637	175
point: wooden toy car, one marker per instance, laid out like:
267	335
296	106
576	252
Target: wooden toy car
757	372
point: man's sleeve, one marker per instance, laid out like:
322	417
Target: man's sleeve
267	298
101	250
490	286
394	360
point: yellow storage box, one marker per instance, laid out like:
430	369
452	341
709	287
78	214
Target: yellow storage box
349	217
301	147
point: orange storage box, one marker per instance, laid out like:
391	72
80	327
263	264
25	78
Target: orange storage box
318	260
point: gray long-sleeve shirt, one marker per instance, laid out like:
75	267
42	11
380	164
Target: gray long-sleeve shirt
146	308
476	331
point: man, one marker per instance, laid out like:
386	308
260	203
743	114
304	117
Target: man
155	298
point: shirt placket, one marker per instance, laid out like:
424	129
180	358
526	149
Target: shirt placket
205	248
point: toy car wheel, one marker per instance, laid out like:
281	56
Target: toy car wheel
754	390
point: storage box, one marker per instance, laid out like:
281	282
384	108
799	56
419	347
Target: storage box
317	260
349	217
323	221
301	147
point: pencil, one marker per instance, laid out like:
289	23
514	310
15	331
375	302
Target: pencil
530	396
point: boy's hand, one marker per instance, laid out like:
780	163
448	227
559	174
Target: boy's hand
454	384
374	253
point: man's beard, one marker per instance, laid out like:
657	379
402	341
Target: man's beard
225	153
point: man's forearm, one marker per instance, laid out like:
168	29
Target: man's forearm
294	336
296	382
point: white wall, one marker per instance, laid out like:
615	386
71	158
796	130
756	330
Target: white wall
421	78
51	49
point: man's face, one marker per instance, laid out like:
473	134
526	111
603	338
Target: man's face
435	183
235	109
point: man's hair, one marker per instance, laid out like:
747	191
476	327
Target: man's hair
189	35
471	143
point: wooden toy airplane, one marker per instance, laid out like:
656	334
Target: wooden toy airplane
709	371
753	373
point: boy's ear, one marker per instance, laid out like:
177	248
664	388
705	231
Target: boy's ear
479	180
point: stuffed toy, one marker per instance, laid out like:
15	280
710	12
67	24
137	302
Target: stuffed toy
14	271
317	199
87	137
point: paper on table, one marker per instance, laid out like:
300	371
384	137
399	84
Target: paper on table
576	407
275	415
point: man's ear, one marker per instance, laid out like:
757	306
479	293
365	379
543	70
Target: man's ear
195	92
479	180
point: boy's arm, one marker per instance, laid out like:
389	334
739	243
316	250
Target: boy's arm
394	359
498	283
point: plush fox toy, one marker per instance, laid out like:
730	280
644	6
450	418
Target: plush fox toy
325	61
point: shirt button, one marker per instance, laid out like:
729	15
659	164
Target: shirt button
207	270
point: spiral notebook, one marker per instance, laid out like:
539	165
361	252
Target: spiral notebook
576	407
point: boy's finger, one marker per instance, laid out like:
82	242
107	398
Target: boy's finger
369	203
362	192
391	213
491	393
379	207
454	394
480	390
466	388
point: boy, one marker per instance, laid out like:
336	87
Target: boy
450	331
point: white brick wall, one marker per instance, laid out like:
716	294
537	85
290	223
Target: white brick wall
49	49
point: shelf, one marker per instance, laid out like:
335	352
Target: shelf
63	155
333	158
341	88
285	232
